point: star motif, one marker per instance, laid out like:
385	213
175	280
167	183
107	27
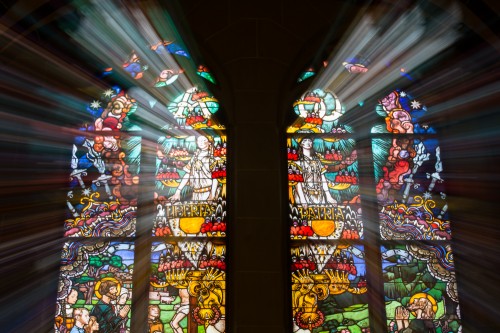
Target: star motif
108	93
419	214
402	94
86	192
95	105
415	104
145	67
427	195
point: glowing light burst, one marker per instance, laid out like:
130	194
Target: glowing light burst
111	31
394	51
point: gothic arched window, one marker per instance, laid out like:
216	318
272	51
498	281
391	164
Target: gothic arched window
370	236
328	267
147	199
417	261
328	246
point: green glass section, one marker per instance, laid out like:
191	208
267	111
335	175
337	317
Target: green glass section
206	74
328	287
420	288
188	286
305	75
95	286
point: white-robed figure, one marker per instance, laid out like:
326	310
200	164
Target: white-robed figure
199	174
314	189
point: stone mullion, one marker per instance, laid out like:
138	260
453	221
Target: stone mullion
376	303
143	240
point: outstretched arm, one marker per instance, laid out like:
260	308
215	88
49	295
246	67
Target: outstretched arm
177	194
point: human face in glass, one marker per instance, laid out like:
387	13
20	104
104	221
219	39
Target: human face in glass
306	143
202	142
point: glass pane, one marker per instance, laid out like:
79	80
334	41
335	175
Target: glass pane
323	188
169	47
205	73
329	288
410	189
188	287
355	67
112	112
318	111
148	68
194	109
102	201
95	286
310	72
402	114
191	186
420	288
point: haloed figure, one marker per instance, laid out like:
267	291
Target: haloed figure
314	189
109	321
198	174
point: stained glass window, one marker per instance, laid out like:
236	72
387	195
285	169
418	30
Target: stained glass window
188	284
409	174
188	274
95	286
189	225
102	200
328	287
191	186
420	288
96	277
329	276
113	179
419	278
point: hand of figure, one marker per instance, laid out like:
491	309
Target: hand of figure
124	311
331	200
175	197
